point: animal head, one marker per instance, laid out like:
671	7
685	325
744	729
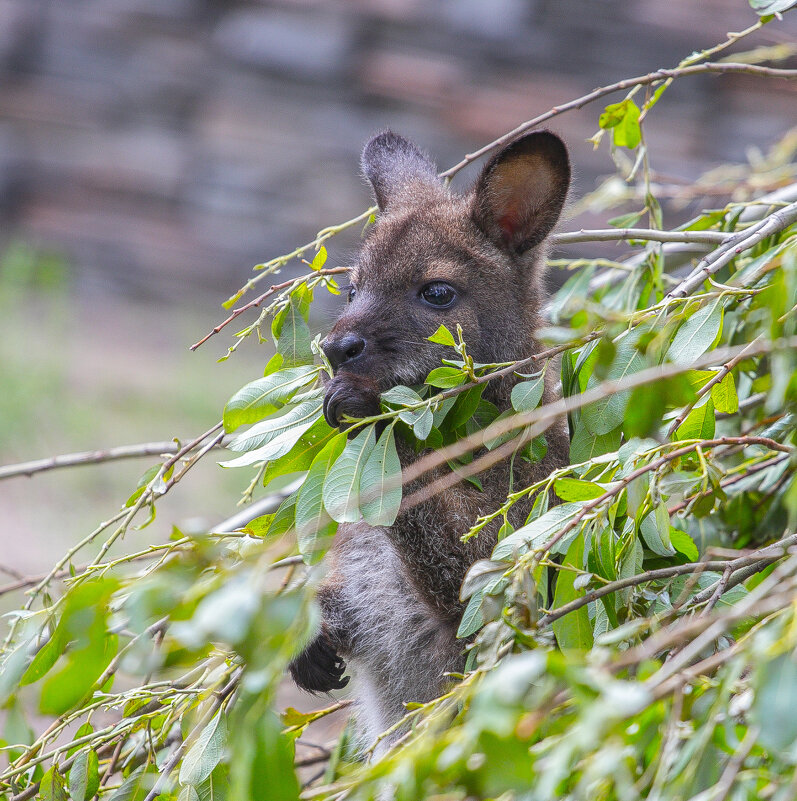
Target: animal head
435	257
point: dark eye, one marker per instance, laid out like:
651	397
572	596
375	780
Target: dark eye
439	294
351	294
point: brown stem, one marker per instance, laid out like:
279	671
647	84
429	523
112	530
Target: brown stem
260	298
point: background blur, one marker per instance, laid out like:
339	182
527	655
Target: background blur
152	151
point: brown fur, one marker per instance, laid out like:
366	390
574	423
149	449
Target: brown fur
489	246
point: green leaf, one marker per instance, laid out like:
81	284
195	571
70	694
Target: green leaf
443	337
52	786
45	658
699	423
16	730
480	574
216	787
188	793
301	455
573	489
205	753
655	531
724	397
627	220
260	398
606	414
585	445
320	259
628	133
465	406
527	394
342	485
573	631
695	336
630	565
83	731
645	410
775	701
623	117
137	785
313	524
274	437
67	686
143	483
684	544
292	336
538	531
83	625
263	769
84	776
422	424
472	619
380	482
765	7
575	289
446	377
401	396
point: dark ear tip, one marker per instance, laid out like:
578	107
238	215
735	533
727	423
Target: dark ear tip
390	161
386	138
541	141
387	144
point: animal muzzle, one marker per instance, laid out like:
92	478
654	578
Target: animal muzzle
343	349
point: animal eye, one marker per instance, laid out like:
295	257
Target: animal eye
439	294
352	292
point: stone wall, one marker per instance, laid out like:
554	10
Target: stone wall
165	146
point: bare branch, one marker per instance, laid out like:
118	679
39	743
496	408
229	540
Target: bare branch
717	259
646	234
628	83
92	457
274	288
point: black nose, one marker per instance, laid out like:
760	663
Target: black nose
342	350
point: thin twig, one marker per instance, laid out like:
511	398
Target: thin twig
260	298
628	83
91	457
706	388
758	560
171	763
724	785
717	259
642	234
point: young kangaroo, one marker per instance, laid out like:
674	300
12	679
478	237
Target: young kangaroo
390	602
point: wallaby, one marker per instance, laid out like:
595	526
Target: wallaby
390	601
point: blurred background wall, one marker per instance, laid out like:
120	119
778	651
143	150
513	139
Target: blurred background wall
152	151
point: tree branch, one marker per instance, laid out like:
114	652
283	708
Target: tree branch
628	83
544	416
647	234
717	259
91	457
267	294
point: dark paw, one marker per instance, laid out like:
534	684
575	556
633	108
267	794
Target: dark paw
319	669
352	395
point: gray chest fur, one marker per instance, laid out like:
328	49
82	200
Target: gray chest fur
398	647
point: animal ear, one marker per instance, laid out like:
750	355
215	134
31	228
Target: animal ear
392	163
520	192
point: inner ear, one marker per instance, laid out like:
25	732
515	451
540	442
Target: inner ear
520	192
394	166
